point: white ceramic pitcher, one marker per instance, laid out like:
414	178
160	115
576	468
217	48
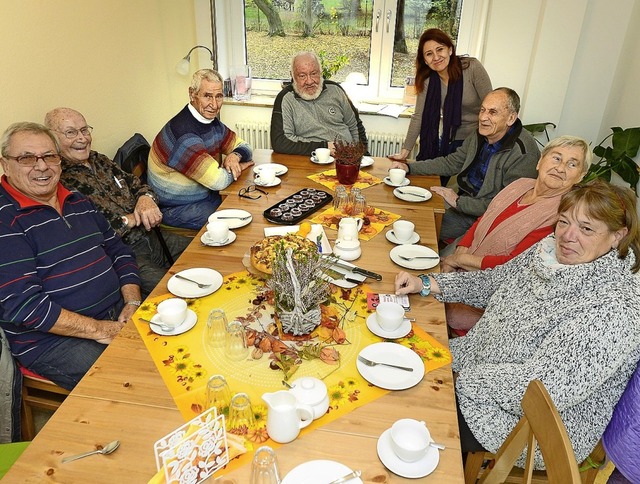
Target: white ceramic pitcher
349	227
285	416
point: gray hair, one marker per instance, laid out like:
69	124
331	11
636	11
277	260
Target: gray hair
306	53
568	141
208	74
513	100
25	126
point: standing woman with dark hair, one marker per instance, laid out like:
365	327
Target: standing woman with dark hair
447	85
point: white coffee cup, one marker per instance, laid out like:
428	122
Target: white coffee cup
218	231
321	154
403	230
410	439
172	312
397	176
389	315
266	175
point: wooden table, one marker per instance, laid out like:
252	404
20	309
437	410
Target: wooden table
123	396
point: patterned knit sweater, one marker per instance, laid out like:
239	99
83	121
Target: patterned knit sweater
574	327
183	163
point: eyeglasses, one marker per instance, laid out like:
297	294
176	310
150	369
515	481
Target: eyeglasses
251	188
73	133
52	159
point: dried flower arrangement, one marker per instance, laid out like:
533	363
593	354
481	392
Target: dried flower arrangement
348	153
298	288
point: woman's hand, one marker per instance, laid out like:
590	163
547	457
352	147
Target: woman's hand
407	284
399	156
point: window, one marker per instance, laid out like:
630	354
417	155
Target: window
377	38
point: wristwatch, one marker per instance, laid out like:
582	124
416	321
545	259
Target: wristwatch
426	285
151	196
133	303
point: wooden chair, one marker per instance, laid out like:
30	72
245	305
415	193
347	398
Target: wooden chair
38	392
540	424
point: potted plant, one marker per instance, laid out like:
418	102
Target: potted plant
348	156
618	157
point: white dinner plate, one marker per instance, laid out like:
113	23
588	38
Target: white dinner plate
318	162
404	183
280	169
391	378
411	250
391	237
318	472
316	230
204	238
366	161
274	183
233	223
188	323
203	275
413	194
412	470
375	328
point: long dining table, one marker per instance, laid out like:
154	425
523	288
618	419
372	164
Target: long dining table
124	397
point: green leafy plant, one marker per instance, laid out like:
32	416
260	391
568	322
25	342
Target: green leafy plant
618	157
330	67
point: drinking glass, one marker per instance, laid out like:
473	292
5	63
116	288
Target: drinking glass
341	199
217	328
218	394
264	467
240	412
236	342
359	204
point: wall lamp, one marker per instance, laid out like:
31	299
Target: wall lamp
182	67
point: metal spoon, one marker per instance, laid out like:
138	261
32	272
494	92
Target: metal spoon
107	449
160	325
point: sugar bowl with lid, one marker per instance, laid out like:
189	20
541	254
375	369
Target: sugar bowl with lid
313	392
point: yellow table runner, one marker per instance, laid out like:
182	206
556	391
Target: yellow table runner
186	361
330	180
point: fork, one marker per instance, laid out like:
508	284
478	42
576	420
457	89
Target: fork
419	195
235	218
367	362
199	284
432	257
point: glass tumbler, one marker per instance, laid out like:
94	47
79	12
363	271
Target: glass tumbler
264	467
236	342
359	204
218	394
240	412
341	199
216	328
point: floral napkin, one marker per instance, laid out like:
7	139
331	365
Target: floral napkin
330	180
375	220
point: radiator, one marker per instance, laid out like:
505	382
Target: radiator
380	144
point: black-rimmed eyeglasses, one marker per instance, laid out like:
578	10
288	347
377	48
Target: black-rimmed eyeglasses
245	192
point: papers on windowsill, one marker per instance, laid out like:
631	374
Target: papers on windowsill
393	110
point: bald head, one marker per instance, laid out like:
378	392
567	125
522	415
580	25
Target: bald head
72	131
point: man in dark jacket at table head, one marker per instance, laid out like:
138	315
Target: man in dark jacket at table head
500	152
313	112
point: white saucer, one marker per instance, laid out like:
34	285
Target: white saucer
375	328
391	237
391	378
366	161
412	470
274	183
414	194
404	183
411	250
206	240
188	323
318	472
233	223
317	162
186	289
280	169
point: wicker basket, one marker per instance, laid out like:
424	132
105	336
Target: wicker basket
298	323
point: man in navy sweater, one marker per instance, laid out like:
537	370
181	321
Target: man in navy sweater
67	282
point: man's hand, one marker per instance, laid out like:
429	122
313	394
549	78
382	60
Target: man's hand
399	156
448	194
110	330
145	212
232	164
399	164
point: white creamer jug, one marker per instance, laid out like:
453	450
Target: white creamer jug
285	416
349	227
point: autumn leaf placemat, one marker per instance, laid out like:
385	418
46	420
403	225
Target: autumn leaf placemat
330	180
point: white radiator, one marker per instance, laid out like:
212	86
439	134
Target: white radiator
380	144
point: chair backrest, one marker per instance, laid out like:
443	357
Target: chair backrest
540	424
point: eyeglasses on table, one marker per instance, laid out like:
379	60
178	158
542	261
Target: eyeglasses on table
246	192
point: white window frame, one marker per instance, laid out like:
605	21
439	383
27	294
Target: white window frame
231	46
